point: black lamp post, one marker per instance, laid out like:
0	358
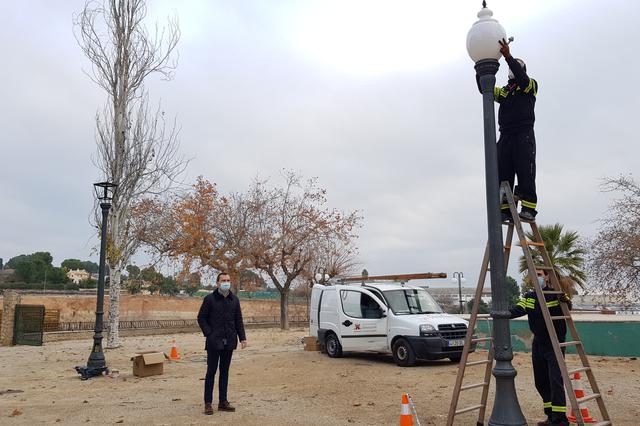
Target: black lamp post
483	47
459	277
96	363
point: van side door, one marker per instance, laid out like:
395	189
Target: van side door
363	321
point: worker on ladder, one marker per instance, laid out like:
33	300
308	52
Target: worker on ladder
546	371
517	143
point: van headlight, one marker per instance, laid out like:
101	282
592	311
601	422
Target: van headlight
427	330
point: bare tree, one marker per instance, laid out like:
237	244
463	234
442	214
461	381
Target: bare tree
136	149
614	258
289	227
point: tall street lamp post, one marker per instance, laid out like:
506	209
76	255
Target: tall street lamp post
459	277
483	47
96	363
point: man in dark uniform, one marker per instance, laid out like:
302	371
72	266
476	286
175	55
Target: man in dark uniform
517	143
546	372
220	319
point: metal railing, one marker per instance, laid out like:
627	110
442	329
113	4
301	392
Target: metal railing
175	323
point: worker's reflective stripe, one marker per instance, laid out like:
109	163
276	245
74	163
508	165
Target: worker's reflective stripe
531	303
522	303
504	206
558	408
547	404
499	92
531	86
552	303
528	204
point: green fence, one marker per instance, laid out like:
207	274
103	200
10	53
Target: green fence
607	338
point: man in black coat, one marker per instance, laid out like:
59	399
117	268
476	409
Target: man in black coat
220	320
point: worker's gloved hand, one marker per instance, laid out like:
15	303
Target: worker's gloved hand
504	48
564	298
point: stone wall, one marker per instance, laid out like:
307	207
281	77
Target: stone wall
9	302
80	308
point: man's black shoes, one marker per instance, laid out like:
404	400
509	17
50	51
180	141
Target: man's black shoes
208	409
225	406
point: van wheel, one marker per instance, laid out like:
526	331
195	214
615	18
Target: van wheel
403	353
334	348
455	358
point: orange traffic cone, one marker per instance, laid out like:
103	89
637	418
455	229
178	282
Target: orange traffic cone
578	390
174	352
406	419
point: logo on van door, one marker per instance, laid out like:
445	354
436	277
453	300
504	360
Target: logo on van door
357	327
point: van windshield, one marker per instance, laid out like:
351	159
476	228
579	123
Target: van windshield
411	301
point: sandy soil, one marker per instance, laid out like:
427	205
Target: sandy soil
273	382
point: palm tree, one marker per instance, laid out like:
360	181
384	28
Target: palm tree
566	253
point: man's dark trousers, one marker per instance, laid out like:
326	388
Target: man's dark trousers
223	357
548	380
517	156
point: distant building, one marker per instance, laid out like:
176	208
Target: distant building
451	296
78	275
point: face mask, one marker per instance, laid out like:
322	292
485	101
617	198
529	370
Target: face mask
225	286
541	282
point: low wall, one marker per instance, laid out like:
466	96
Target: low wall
79	307
616	337
56	336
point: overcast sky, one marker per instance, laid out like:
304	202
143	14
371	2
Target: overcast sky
375	98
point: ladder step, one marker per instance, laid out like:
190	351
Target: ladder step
484	361
475	385
560	317
553	292
481	339
507	247
533	243
588	398
571	343
473	407
545	268
578	370
604	423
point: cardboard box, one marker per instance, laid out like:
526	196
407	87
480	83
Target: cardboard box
311	343
148	364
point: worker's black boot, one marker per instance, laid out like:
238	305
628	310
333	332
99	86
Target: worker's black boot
528	214
505	216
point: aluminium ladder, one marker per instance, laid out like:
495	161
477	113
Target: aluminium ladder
470	339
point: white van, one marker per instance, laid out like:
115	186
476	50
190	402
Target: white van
400	319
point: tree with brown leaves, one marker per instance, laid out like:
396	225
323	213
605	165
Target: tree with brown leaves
200	229
290	228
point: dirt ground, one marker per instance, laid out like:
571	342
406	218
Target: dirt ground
272	382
